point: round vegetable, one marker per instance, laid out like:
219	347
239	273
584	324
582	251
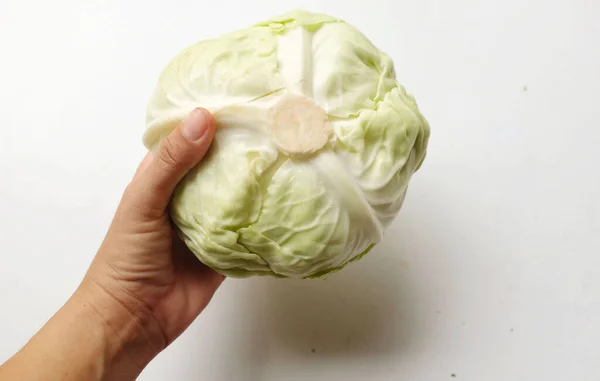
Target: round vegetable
315	145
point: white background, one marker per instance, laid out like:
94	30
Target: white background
492	270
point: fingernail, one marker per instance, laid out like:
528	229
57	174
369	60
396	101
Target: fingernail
194	126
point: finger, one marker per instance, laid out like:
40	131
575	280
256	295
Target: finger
201	284
187	265
204	282
143	164
178	153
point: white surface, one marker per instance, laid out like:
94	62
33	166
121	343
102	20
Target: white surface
492	272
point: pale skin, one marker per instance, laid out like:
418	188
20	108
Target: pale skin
142	289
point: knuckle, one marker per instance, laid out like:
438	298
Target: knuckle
171	153
129	198
129	192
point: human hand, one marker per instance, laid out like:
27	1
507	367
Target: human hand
142	264
143	288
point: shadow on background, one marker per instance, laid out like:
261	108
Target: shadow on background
364	309
365	313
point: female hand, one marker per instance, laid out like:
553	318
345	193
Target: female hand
143	288
142	263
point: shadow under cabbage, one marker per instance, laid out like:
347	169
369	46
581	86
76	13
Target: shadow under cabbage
364	309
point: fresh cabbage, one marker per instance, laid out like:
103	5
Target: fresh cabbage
316	143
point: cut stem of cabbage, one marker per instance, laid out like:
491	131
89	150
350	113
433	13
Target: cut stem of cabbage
298	125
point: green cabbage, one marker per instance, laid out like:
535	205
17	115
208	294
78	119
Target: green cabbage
316	143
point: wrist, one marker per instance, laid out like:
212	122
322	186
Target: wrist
130	331
94	336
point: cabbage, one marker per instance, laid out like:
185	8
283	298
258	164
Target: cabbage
316	143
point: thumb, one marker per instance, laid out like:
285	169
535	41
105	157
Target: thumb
179	152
